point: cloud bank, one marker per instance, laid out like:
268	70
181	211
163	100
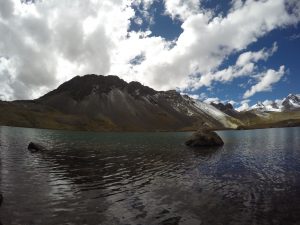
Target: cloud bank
49	42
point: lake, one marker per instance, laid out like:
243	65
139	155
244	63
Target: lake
149	178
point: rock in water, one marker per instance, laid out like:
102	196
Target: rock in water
204	138
33	147
1	199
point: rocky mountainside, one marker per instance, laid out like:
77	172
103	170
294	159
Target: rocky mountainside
226	108
95	102
108	103
282	113
289	103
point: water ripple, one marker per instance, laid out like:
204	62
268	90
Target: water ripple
149	178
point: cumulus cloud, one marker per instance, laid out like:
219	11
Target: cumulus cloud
267	102
232	102
265	81
245	66
182	9
244	105
49	42
194	96
206	42
210	100
249	57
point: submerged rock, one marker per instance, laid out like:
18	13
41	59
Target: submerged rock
204	138
33	147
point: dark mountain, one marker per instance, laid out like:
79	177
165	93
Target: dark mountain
226	108
108	103
95	102
80	87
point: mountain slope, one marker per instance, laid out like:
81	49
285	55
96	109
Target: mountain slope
283	113
95	102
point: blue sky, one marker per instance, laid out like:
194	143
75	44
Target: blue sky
287	39
242	51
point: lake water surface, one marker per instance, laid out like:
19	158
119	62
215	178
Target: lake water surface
149	178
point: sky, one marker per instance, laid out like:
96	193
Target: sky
238	51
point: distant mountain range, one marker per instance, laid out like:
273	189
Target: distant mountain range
108	103
290	103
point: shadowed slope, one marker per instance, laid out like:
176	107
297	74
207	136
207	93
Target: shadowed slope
96	102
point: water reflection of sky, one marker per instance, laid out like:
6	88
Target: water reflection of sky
150	178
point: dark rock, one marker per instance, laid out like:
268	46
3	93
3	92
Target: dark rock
241	127
1	199
33	147
290	101
227	109
222	107
80	87
204	138
229	106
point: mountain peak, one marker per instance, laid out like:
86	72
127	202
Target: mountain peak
221	106
81	86
289	103
136	88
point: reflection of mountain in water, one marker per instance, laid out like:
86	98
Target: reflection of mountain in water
149	178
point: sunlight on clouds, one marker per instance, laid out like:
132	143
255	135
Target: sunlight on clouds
52	41
244	105
244	66
265	81
182	9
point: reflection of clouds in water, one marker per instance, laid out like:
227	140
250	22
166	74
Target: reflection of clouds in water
150	178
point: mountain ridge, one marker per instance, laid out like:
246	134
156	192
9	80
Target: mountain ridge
108	103
289	103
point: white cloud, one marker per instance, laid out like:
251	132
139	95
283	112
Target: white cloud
245	66
267	102
249	57
194	96
265	81
46	43
206	42
232	102
244	105
182	9
49	42
294	37
138	20
210	100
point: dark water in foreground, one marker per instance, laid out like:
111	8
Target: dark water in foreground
150	178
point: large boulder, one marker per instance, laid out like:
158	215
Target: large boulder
204	138
34	147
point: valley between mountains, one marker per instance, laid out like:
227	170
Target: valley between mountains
108	103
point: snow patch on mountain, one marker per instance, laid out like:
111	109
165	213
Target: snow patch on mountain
290	103
215	113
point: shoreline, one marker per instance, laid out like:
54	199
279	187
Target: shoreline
150	131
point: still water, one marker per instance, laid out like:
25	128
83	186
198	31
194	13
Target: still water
149	178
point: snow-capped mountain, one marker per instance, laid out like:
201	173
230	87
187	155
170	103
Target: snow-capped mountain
266	107
290	103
